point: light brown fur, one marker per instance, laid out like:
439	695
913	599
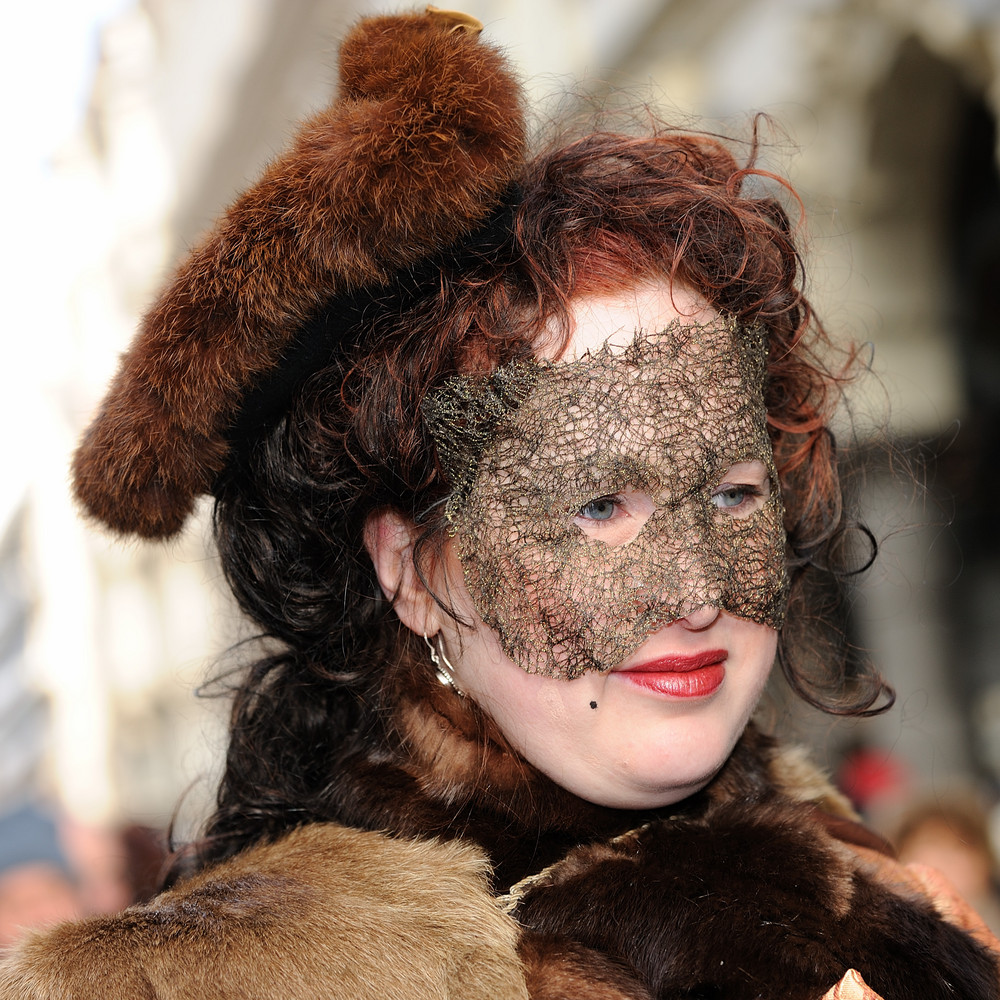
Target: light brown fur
326	912
800	779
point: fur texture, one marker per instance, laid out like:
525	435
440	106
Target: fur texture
763	885
326	912
746	890
744	899
426	134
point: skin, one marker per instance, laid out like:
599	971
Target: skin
639	747
34	896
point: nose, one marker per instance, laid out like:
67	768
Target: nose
699	618
683	573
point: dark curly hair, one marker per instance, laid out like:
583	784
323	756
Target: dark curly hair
595	215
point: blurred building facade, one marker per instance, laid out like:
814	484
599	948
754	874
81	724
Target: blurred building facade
886	113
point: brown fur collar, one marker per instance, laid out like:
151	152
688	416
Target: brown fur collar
450	773
743	892
754	880
745	902
325	912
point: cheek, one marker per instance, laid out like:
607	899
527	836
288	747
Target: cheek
538	714
550	723
760	645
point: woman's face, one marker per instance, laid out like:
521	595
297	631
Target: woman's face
642	708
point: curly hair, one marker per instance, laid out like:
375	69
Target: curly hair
598	214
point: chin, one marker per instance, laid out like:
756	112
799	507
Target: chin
644	798
636	790
684	775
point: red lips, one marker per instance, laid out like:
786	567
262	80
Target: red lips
676	675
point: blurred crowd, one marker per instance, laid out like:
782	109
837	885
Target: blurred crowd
52	866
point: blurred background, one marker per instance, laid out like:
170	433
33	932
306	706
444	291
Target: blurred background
129	124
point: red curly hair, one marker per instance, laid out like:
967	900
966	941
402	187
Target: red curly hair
602	213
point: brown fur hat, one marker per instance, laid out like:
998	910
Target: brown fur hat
424	137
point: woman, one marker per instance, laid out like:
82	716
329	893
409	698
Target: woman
520	462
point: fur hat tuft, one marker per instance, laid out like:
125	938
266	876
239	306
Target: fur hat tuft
424	137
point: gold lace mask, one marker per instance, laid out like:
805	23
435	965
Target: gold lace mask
535	445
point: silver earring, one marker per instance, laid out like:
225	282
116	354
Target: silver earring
442	665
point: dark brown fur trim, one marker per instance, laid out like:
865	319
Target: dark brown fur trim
752	900
556	969
425	136
750	888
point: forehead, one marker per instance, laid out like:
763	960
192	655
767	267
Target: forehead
612	322
621	404
689	395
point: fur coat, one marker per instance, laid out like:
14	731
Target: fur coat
453	870
760	887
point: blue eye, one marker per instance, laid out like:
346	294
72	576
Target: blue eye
731	496
742	499
743	489
601	509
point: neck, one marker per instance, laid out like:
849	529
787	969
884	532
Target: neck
450	773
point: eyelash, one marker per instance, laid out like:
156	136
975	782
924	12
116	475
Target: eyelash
749	491
615	499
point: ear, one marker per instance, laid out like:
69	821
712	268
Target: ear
389	539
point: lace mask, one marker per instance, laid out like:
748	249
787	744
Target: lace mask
532	446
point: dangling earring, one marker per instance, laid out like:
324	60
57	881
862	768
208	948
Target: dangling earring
442	665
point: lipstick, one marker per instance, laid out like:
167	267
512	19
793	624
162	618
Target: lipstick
676	675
